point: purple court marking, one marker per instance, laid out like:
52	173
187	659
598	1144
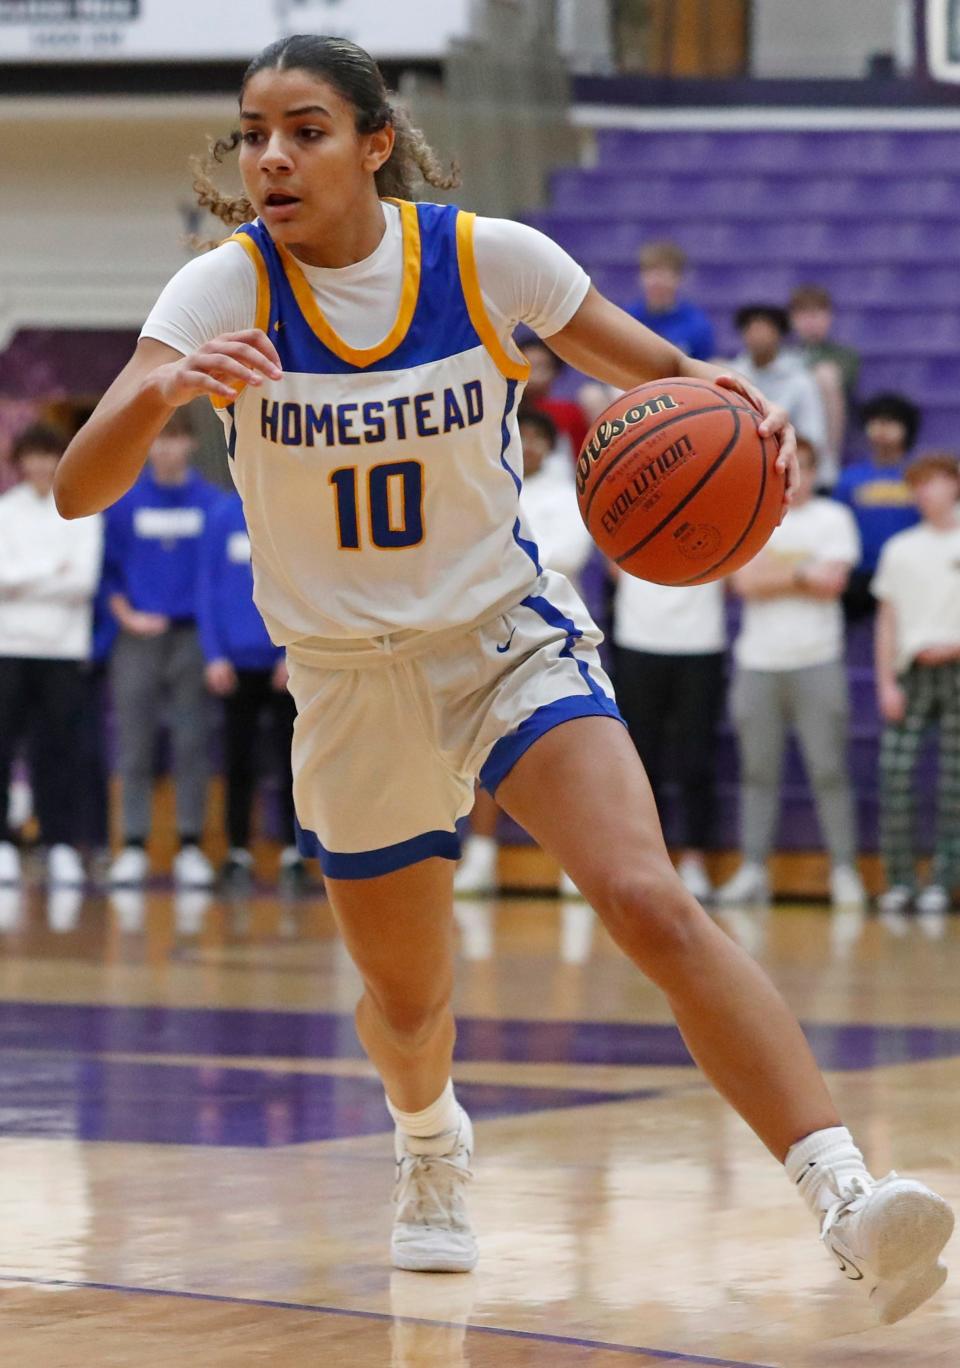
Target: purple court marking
666	1355
231	1033
176	1104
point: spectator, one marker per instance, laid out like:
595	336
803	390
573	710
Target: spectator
835	367
669	672
661	307
877	491
246	670
567	415
784	378
48	573
789	672
151	562
91	740
917	640
549	507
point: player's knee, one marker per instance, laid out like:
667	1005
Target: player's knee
411	1021
651	915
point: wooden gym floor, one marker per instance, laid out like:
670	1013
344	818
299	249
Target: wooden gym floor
196	1165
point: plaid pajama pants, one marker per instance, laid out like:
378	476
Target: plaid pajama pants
933	699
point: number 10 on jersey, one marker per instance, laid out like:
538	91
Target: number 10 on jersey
394	505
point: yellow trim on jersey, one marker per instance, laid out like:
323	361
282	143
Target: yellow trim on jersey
364	356
469	279
261	318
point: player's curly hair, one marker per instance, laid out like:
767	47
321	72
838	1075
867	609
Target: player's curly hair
356	77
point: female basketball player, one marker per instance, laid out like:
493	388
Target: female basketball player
361	351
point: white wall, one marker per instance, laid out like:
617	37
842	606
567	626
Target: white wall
92	195
827	37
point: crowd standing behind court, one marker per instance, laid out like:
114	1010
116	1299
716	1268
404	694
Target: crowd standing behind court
148	613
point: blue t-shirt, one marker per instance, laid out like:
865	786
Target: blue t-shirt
686	326
152	544
880	500
230	626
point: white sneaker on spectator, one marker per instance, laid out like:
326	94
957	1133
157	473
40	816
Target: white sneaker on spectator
566	888
846	887
933	899
477	870
192	869
896	899
695	879
9	863
129	869
64	867
749	885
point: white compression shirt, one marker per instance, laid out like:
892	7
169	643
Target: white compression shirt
524	278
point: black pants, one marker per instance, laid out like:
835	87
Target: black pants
41	702
681	694
92	755
254	699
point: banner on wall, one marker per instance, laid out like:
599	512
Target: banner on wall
943	39
184	30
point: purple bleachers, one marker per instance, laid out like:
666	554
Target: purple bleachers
873	215
813	151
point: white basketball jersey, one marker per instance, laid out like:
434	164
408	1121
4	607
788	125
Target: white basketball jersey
381	485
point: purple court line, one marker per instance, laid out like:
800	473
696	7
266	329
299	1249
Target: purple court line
666	1355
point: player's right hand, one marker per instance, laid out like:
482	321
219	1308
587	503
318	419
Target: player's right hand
142	624
893	702
221	678
220	368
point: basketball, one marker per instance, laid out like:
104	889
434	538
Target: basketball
676	484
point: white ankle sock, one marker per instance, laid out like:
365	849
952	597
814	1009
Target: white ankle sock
438	1120
823	1163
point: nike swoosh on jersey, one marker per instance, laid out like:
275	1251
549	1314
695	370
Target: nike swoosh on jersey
501	650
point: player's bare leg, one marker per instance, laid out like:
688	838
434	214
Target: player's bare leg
581	792
398	929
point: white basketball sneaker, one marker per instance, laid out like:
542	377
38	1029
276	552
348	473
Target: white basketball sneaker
431	1230
888	1236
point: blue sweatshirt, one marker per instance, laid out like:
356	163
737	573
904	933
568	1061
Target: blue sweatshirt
152	544
686	326
880	500
230	626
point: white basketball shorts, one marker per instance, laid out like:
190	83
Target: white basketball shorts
392	734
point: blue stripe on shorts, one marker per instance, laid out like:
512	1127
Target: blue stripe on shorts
508	750
367	864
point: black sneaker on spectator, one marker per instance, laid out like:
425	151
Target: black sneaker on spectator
236	873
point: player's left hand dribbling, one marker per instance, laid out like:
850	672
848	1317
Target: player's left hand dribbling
776	423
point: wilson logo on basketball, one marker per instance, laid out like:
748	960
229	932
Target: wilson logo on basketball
609	431
646	479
